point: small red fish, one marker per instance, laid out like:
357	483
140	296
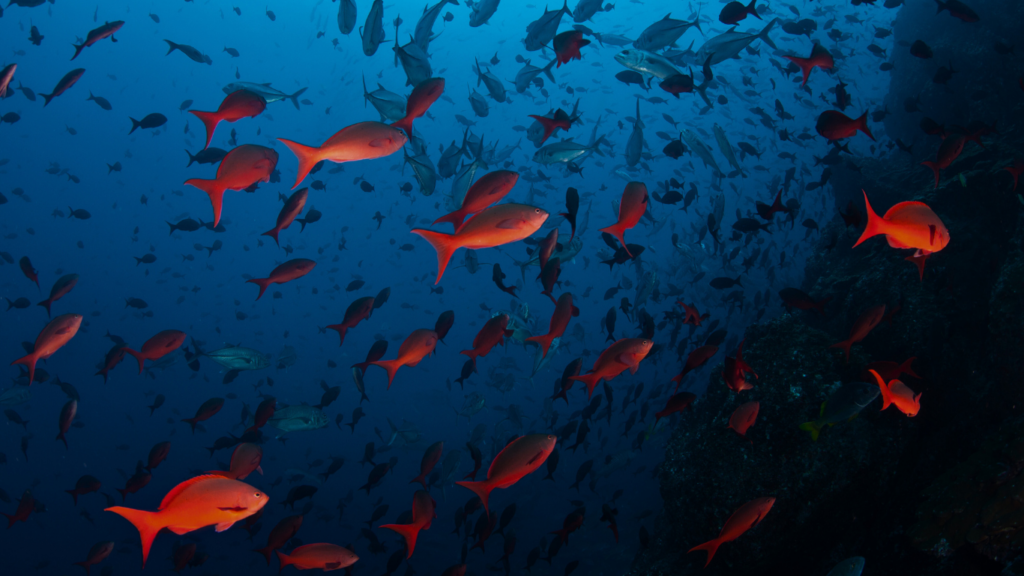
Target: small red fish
545	248
65	84
416	347
25	507
744	518
897	394
567	46
325	557
558	120
423	96
422	516
235	106
564	311
94	36
631	209
430	458
28	270
158	346
242	167
98	553
53	337
285	529
767	212
833	125
676	403
572	523
864	324
692	315
490	188
85	485
735	372
949	151
357	311
519	458
61	287
626	353
286	272
360	141
67	414
694	360
743	418
264	412
377	351
292	208
820	57
493	333
206	411
245	460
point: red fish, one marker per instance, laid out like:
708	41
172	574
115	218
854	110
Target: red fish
820	57
567	46
743	519
418	345
833	125
546	247
559	120
360	141
377	351
490	188
52	338
735	371
284	531
63	85
861	327
105	31
325	557
6	75
430	459
734	12
158	346
907	225
205	412
626	353
564	311
25	507
631	209
264	412
194	504
26	268
292	208
245	460
235	106
423	96
572	523
897	394
694	360
286	272
61	287
85	485
493	333
949	151
549	277
495	226
422	516
357	311
519	458
692	315
743	418
676	403
890	370
111	360
98	553
242	167
67	414
136	482
157	454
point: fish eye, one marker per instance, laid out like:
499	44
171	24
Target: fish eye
258	495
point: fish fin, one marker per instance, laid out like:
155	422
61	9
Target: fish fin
210	121
262	283
138	356
285	559
391	366
215	190
454	218
875	226
711	546
407	531
28	361
445	246
813	429
308	156
224	526
145	522
481	489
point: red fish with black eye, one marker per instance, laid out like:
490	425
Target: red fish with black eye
357	311
235	106
158	346
286	272
564	311
631	209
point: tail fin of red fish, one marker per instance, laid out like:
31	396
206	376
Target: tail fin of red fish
308	157
886	394
262	283
444	244
617	230
481	489
215	190
285	559
935	169
711	546
590	380
46	304
210	121
74	496
549	125
60	436
267	552
544	341
907	367
191	422
407	531
845	347
862	125
875	226
145	522
138	356
342	330
29	361
805	64
454	218
273	234
405	124
820	305
391	366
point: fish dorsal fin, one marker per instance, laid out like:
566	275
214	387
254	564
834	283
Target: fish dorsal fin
177	490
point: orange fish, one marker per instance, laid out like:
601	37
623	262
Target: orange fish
418	345
519	458
422	515
53	336
493	333
244	460
423	96
292	208
743	519
280	535
545	248
235	106
67	414
286	272
564	311
194	504
360	141
626	353
242	167
206	411
735	371
495	226
356	312
897	394
907	225
743	418
326	557
158	346
820	57
631	209
692	315
833	125
490	188
861	328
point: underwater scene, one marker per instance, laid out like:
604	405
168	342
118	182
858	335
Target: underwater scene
507	287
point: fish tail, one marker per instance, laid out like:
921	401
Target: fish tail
29	361
145	522
907	367
191	422
862	125
215	190
138	356
617	231
813	428
210	121
60	436
590	380
454	218
941	6
262	283
444	244
544	341
273	234
845	347
763	34
46	304
74	496
547	69
751	9
407	531
135	124
481	489
405	124
820	305
886	394
285	559
805	65
308	156
875	225
390	366
935	169
171	46
267	552
78	50
295	97
342	330
711	546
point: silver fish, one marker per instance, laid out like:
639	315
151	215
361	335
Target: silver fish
239	358
373	32
424	171
566	151
482	12
425	26
565	252
541	31
728	45
463	180
389	105
727	151
635	144
528	74
664	33
347	16
700	149
494	86
645	288
479	104
473	403
295	418
414	61
15	395
646	63
269	94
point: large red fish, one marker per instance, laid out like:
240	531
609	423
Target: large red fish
98	553
908	225
286	272
495	226
357	311
321	556
626	353
242	167
422	516
519	458
493	333
743	519
631	209
360	141
423	96
235	106
820	57
564	311
417	346
490	188
292	208
833	125
897	394
158	346
53	336
196	503
864	324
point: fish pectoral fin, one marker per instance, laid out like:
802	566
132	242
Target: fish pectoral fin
179	530
224	526
332	566
511	224
379	142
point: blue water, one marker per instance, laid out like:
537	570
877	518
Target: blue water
129	210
